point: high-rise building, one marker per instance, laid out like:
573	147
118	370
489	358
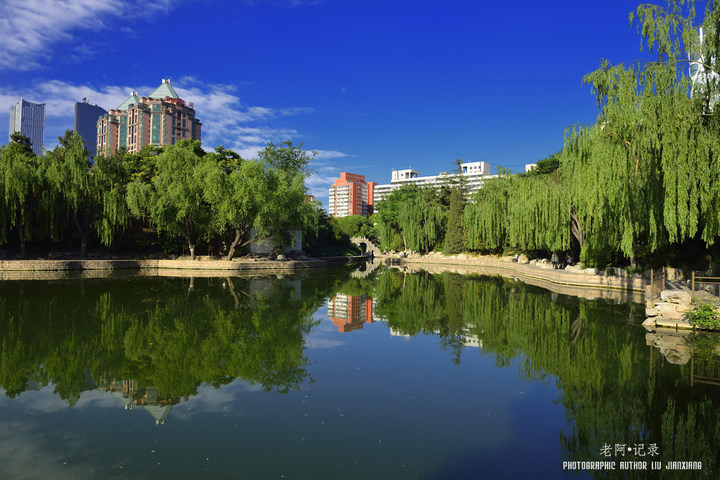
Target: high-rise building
86	118
161	118
28	118
702	77
351	195
473	172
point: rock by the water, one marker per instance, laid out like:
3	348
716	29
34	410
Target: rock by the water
676	296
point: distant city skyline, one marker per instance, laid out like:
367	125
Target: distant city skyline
372	86
85	124
28	118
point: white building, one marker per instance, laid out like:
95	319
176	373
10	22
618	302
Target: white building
473	172
28	118
702	77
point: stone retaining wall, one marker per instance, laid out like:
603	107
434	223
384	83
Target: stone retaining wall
571	276
49	269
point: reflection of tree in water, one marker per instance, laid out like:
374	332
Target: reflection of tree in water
594	351
158	332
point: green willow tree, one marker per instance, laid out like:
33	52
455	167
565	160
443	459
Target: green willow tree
640	179
111	176
287	207
485	218
20	187
454	235
411	218
238	197
92	196
173	200
422	220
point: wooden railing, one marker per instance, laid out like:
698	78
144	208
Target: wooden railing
697	279
657	282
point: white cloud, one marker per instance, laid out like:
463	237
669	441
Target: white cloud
328	154
30	28
25	453
226	120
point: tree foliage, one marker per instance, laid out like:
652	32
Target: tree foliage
411	218
173	200
181	191
643	177
19	184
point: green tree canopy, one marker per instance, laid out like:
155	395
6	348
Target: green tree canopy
174	200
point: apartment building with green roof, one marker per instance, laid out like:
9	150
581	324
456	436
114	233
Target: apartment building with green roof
161	118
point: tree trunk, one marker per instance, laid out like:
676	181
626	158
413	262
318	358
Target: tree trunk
233	245
191	247
231	287
84	229
83	244
576	229
22	242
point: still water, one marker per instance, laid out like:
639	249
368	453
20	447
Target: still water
327	375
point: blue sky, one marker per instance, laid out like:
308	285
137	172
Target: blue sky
371	85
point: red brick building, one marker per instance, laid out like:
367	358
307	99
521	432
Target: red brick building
351	195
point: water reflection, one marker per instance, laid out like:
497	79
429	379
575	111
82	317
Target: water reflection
140	338
350	312
155	343
132	395
592	350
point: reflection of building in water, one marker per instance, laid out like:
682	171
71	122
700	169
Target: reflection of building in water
398	333
350	312
149	398
470	340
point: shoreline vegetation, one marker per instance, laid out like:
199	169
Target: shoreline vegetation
639	188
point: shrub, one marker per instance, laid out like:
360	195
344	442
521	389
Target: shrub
704	345
704	315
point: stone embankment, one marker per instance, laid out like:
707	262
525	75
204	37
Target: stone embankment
668	310
541	269
27	269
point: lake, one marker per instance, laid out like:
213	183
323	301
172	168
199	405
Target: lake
332	374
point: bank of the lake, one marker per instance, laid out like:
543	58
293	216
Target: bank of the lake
571	276
10	268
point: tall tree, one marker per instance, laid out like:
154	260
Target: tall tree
422	219
387	211
173	200
19	183
288	166
72	184
454	236
288	157
111	175
238	196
